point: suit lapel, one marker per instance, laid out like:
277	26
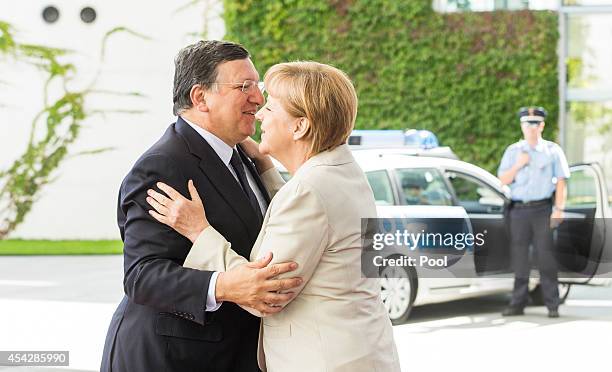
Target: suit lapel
220	177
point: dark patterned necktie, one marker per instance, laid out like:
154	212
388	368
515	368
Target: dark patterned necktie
238	166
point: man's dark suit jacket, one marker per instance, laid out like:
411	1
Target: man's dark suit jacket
161	323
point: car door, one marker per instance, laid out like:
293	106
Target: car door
382	187
486	206
426	188
583	240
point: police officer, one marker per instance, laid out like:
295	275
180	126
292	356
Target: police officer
536	171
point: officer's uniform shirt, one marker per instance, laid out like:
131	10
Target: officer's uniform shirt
536	180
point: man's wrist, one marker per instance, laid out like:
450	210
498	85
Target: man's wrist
211	303
219	287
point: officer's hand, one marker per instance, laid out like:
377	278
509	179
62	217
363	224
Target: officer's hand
556	218
523	159
254	285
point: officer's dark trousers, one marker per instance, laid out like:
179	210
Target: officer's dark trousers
531	224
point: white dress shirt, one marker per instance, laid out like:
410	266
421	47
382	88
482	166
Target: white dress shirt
224	151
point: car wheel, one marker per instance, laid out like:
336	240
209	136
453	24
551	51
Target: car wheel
536	298
398	291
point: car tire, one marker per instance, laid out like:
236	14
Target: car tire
398	291
536	299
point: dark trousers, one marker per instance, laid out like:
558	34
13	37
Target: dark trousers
531	224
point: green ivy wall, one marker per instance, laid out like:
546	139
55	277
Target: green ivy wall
462	76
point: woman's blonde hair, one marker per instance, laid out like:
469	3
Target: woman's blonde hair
321	93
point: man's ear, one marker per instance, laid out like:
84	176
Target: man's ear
197	94
301	129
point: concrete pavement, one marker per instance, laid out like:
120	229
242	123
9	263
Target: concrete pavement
65	303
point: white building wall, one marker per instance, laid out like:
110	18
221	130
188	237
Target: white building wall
81	203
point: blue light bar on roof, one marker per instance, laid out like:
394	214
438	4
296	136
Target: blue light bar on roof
423	139
377	138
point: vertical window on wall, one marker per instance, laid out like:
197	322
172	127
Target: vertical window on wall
589	135
586	2
452	6
589	56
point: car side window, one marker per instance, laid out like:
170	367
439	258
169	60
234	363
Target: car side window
474	195
381	186
423	186
582	189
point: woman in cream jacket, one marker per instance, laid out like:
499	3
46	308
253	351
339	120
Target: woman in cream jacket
337	322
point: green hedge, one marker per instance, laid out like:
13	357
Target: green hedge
462	76
18	247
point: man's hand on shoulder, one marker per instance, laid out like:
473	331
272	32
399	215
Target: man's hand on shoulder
254	285
522	160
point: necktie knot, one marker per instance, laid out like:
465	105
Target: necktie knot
235	161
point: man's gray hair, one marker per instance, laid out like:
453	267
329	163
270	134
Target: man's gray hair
197	64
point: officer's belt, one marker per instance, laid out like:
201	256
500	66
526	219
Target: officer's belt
532	203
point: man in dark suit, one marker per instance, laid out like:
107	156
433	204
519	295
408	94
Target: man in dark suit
174	318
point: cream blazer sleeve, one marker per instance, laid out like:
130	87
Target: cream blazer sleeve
211	251
295	229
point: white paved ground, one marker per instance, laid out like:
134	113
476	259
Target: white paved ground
65	303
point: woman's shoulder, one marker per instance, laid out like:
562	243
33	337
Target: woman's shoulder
315	179
329	182
306	183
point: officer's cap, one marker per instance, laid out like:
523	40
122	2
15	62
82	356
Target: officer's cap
532	115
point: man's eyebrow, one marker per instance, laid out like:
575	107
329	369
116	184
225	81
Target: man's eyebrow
242	79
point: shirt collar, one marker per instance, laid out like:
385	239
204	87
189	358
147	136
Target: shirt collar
223	150
539	147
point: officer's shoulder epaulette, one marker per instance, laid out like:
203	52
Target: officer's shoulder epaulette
551	144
